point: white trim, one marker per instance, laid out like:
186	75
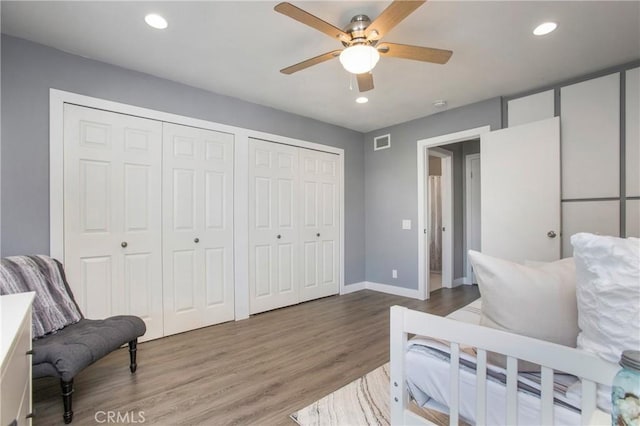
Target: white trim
352	288
375	142
56	177
381	288
392	289
467	212
57	99
421	146
241	233
460	281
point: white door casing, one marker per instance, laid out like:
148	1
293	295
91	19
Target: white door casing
197	227
520	186
273	228
319	224
422	166
112	214
472	209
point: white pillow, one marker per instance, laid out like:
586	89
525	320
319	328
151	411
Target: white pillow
608	292
538	302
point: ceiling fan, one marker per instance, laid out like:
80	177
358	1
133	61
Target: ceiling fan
361	39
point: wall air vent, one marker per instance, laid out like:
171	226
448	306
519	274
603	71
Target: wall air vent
381	142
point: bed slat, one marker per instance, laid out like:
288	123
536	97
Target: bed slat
481	387
546	398
454	406
512	391
589	396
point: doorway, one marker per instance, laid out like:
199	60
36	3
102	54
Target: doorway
453	236
439	196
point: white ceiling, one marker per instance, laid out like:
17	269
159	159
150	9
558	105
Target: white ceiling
237	49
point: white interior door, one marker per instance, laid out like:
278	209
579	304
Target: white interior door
319	224
273	230
520	186
198	228
473	209
112	214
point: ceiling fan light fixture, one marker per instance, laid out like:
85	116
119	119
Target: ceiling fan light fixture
359	59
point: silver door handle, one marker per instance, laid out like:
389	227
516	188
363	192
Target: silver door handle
551	234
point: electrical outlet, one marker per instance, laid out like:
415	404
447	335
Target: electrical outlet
394	273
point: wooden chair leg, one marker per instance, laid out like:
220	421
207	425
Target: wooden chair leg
133	348
67	391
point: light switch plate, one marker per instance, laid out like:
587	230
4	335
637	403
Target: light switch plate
406	223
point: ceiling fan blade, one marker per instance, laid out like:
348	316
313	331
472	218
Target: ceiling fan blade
390	17
313	21
365	81
417	53
311	62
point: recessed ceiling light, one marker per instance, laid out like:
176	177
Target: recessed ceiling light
440	103
156	21
545	28
362	100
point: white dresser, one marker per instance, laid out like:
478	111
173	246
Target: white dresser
15	345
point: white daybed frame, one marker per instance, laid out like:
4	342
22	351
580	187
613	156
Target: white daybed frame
591	369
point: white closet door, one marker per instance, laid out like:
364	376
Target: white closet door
319	224
520	186
112	214
198	228
273	230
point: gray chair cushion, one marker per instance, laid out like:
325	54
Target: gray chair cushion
65	353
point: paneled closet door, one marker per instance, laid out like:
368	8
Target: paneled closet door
112	214
197	228
273	230
319	224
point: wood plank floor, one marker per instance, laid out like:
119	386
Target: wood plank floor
251	372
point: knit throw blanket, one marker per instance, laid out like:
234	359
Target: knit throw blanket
53	306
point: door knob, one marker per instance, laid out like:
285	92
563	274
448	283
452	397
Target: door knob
196	240
123	244
318	234
279	236
551	234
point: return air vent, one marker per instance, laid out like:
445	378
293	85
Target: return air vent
382	142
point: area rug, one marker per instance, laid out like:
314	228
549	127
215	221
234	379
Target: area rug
365	401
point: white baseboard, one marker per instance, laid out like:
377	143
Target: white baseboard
350	288
462	281
392	289
459	281
382	288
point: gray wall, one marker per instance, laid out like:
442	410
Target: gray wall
29	70
391	190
